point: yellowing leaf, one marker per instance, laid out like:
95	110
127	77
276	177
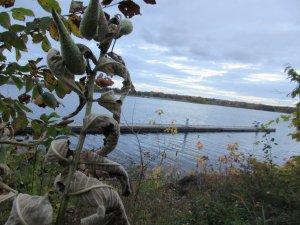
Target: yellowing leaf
47	5
49	78
74	22
54	32
18	54
46	45
20	13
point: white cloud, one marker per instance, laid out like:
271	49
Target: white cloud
233	66
191	70
265	77
153	47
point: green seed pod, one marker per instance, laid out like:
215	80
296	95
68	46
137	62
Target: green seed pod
71	54
102	28
88	24
125	27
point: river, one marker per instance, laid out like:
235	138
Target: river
180	149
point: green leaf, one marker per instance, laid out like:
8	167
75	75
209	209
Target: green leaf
47	5
13	39
20	13
22	107
18	54
20	122
52	131
37	37
3	79
61	89
17	81
46	45
29	84
6	115
17	28
50	100
4	20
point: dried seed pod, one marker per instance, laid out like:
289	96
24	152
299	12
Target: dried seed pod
71	54
94	193
126	27
33	210
88	24
98	165
110	128
58	151
108	101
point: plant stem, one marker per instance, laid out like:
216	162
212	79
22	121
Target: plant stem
74	164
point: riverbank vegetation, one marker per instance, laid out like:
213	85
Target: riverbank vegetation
242	190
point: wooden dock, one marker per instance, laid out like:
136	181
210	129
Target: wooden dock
162	128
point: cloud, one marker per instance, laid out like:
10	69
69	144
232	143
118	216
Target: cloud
188	69
265	77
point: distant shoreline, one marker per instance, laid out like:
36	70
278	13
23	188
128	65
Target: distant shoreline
208	101
201	100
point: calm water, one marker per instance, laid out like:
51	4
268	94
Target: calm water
180	148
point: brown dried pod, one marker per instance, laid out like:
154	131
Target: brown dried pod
110	128
97	194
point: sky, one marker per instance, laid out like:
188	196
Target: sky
234	50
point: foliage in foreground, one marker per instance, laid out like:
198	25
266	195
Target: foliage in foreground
242	191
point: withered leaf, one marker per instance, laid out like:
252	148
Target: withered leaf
129	8
24	98
106	2
153	2
76	6
7	3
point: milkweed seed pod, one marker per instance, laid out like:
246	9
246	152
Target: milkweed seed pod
126	27
30	210
59	70
71	55
97	194
102	28
58	151
110	128
88	24
108	101
96	165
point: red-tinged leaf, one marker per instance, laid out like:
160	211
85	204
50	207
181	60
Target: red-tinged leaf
24	98
106	2
129	8
76	6
103	82
153	2
7	3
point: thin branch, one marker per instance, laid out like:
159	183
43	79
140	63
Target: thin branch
25	143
